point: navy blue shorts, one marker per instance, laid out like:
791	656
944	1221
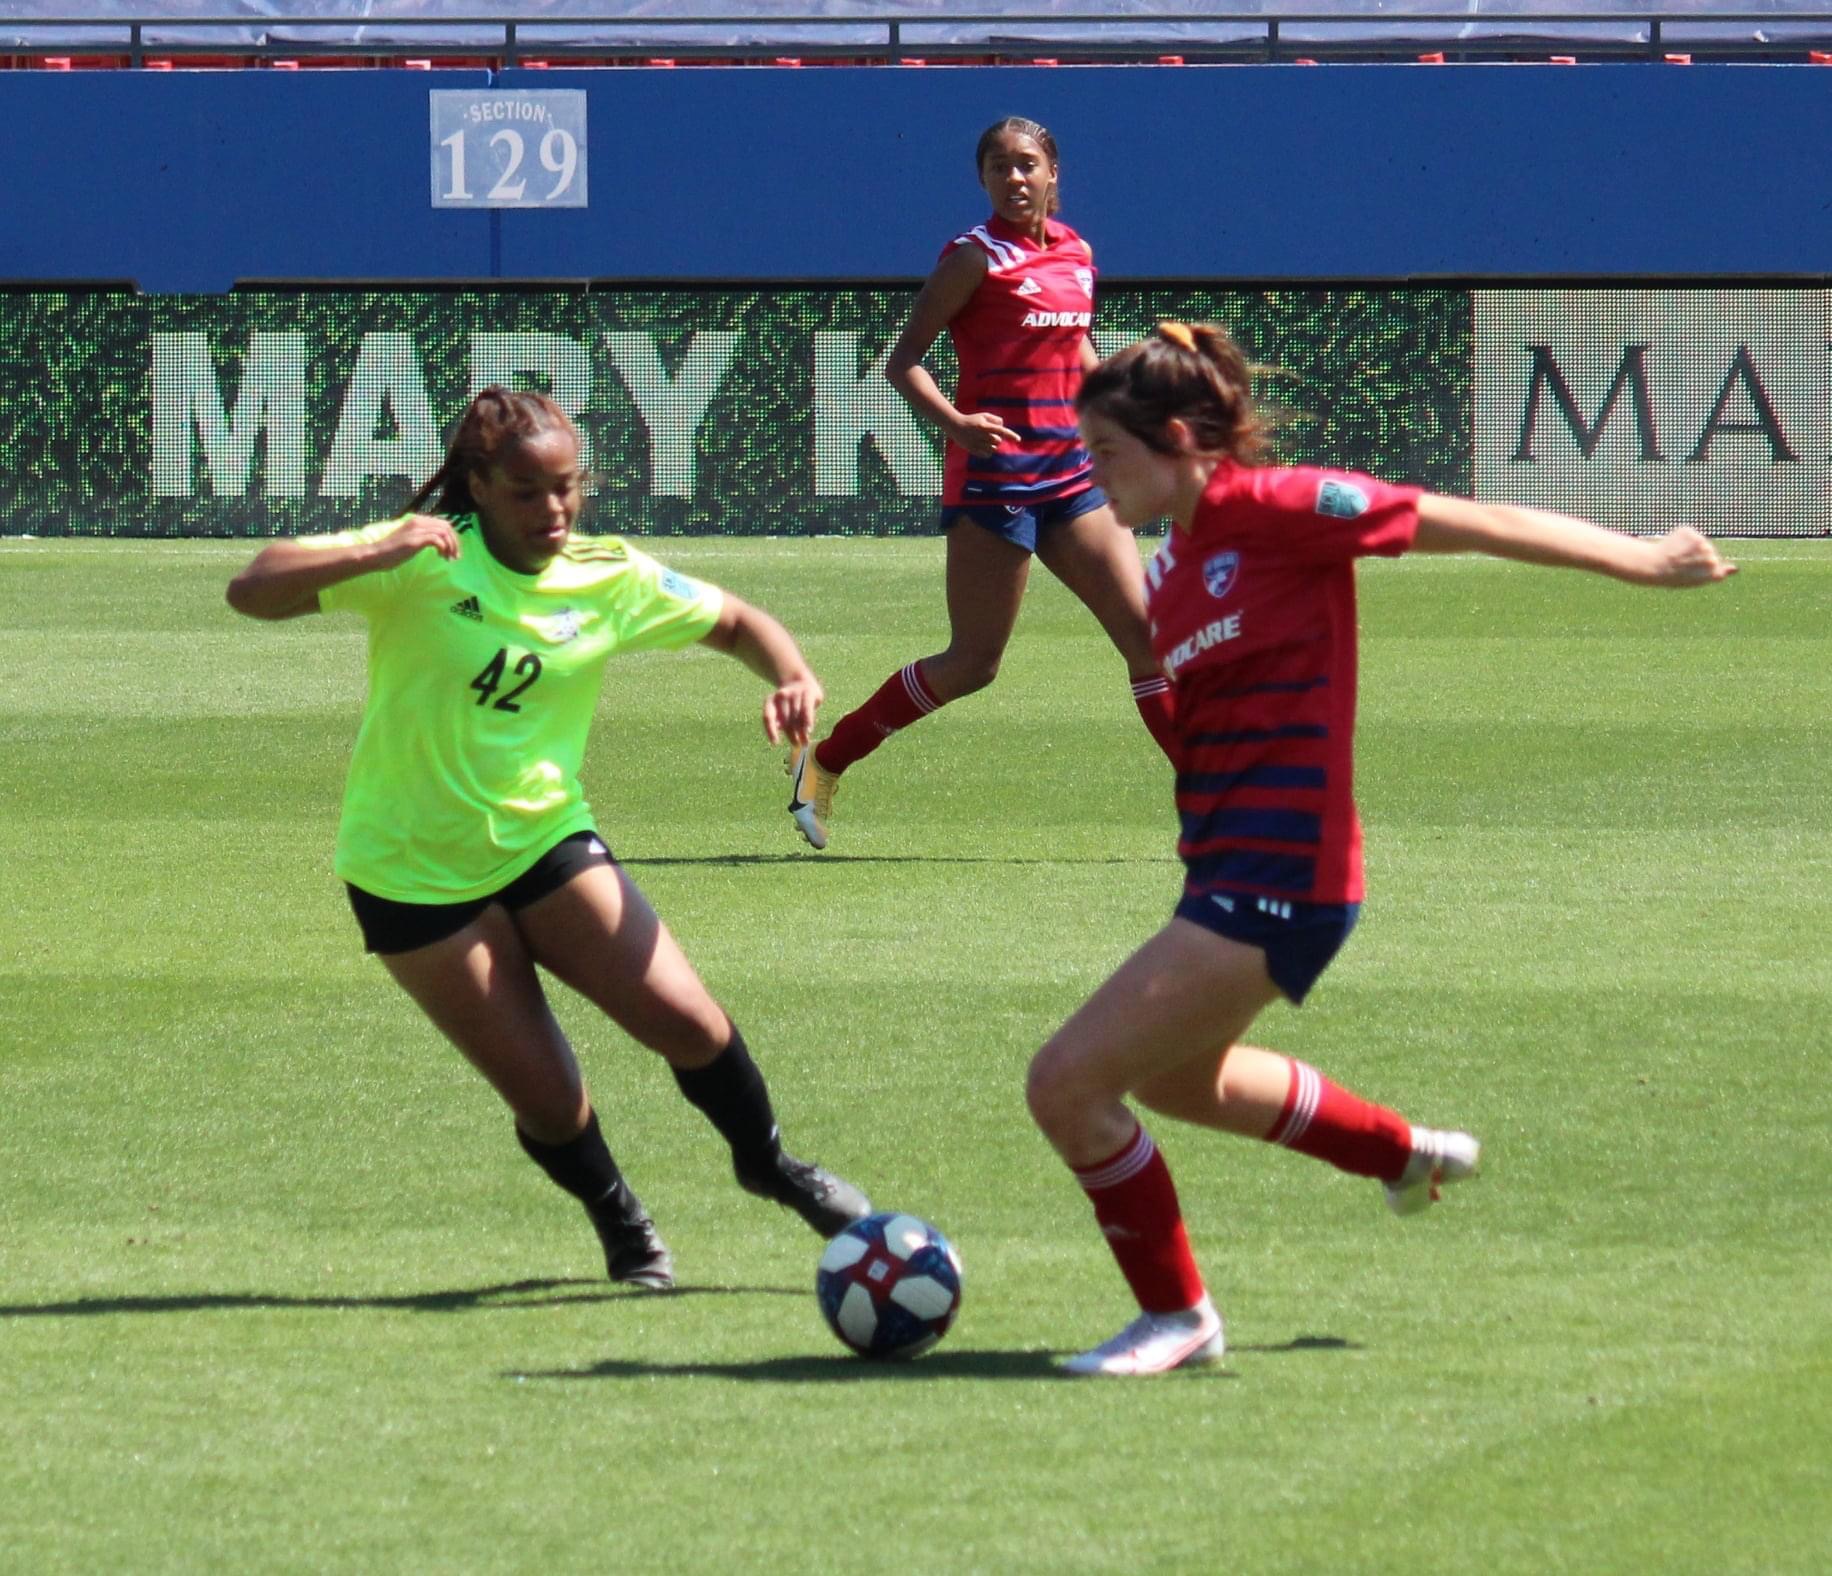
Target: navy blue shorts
1022	523
388	926
1299	939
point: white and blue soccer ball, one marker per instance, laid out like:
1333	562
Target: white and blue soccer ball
889	1285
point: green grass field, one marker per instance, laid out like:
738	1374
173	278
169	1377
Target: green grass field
278	1291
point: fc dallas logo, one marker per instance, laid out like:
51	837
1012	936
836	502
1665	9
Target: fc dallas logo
1220	571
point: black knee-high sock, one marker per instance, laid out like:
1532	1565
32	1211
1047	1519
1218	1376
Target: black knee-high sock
731	1091
582	1166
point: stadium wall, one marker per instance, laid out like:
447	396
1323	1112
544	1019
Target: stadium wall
190	181
720	403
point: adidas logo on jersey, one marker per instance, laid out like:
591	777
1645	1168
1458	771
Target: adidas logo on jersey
469	607
1057	319
1030	287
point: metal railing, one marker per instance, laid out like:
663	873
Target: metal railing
1017	36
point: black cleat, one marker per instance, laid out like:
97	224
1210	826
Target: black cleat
634	1253
828	1203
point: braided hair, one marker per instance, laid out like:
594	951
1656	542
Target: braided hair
497	418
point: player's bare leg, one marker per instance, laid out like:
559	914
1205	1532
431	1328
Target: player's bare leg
986	576
985	584
599	934
1098	559
480	989
1186	994
1181	999
1259	1093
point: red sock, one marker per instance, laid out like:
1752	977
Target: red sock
899	701
1326	1121
1135	1202
1157	703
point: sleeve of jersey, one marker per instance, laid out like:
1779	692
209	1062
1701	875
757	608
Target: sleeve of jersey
363	594
660	610
1320	516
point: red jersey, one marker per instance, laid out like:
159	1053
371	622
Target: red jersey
1253	620
1019	341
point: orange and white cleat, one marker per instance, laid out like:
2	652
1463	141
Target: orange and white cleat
1437	1157
810	795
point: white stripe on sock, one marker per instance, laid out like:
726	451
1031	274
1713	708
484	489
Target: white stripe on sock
1123	1167
918	691
1310	1093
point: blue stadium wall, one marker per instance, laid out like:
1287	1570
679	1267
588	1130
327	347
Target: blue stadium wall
187	182
1596	288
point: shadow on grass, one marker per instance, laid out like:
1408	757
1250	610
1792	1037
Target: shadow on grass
812	858
1302	1343
506	1295
842	1369
836	1368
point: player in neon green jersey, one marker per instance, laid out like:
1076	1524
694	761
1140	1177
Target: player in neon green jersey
466	843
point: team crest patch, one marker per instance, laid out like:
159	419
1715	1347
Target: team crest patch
1085	278
1343	500
563	626
1219	573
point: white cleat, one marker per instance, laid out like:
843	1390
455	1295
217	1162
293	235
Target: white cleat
1437	1157
1155	1343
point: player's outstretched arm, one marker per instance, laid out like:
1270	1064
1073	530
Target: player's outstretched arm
1683	557
285	577
768	650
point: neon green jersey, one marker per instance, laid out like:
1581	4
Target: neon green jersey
482	686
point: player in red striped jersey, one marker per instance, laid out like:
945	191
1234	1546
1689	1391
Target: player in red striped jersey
1252	606
1016	295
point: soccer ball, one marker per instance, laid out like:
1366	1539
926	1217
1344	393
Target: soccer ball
889	1285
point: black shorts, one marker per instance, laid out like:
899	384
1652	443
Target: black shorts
389	926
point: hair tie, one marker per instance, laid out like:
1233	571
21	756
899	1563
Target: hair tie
1179	335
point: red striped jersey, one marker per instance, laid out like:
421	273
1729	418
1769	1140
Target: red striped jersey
1019	341
1253	619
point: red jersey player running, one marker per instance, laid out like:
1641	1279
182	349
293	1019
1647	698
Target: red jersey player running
1016	294
1252	601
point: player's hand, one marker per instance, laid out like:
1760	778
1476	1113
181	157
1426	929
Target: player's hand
983	433
1685	557
789	711
413	533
